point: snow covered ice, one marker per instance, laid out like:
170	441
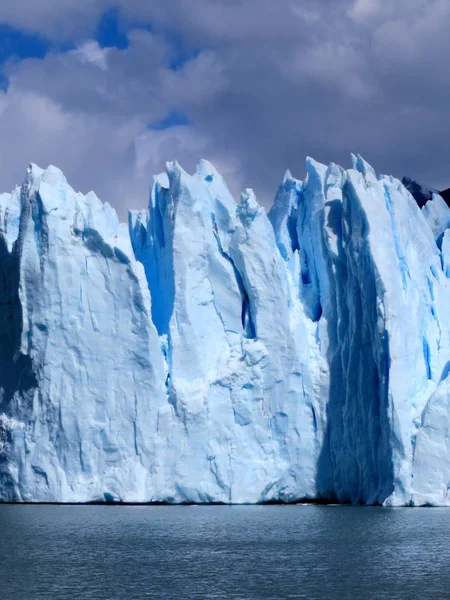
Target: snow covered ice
210	352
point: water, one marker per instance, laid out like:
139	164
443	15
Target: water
218	552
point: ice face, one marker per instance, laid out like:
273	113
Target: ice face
431	464
209	352
81	359
445	245
233	375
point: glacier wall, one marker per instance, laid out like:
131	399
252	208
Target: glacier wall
210	352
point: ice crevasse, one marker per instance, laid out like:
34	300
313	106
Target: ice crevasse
209	352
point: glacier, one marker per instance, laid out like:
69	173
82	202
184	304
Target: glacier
210	352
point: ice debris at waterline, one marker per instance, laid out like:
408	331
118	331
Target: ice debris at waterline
209	352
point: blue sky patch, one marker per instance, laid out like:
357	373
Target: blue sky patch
181	54
172	119
109	31
18	44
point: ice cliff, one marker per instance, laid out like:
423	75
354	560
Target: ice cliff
210	352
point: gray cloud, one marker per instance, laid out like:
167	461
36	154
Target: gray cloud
59	19
263	84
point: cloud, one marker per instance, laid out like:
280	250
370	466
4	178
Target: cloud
259	85
91	150
365	10
91	52
105	116
58	19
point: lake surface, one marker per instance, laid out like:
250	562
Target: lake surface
220	552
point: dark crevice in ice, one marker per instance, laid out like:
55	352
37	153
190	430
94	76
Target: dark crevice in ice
355	464
248	324
426	357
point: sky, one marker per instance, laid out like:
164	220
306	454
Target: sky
109	91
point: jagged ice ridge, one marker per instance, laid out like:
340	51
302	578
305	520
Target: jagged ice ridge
210	352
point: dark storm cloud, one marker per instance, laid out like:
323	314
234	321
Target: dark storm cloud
260	85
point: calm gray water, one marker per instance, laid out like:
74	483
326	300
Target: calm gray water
218	552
